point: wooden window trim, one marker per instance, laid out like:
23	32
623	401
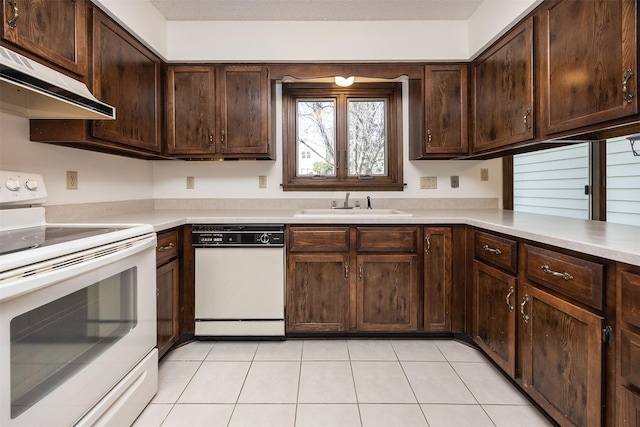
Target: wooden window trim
392	92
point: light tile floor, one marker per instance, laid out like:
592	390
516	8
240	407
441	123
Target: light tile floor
331	383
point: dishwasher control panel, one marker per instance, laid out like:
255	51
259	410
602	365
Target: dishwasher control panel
212	235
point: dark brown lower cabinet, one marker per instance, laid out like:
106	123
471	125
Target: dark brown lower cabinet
628	347
437	266
494	315
318	292
561	354
168	297
387	292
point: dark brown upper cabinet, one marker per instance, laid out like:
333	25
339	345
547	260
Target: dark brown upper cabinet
503	100
438	113
588	62
244	111
55	31
191	111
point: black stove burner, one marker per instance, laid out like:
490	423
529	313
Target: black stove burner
34	237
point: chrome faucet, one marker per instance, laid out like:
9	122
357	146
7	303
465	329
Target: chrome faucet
369	202
346	200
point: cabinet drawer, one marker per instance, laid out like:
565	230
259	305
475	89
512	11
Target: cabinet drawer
318	239
387	239
167	247
630	357
574	277
630	298
496	250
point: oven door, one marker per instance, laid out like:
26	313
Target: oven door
69	332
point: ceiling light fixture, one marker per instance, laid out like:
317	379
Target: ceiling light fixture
632	140
344	82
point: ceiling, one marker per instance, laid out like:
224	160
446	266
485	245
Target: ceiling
315	10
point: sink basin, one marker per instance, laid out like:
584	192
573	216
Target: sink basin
328	213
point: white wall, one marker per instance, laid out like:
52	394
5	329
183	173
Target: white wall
101	177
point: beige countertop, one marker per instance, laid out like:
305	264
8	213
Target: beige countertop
606	240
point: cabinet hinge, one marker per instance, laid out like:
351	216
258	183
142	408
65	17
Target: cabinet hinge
607	332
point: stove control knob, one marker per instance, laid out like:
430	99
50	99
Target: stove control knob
264	238
31	185
12	184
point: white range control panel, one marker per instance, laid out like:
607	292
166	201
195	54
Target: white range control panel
21	189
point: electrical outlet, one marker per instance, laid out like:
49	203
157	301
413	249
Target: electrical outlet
484	174
428	182
191	183
455	181
72	180
262	181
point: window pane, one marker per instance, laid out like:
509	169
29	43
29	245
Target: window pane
552	181
316	137
623	182
367	138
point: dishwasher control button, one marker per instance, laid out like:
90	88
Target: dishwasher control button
264	238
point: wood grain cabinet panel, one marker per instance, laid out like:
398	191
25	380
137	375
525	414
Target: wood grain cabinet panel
574	277
438	113
628	408
628	346
318	239
55	31
318	292
494	315
168	309
587	49
503	103
437	278
496	250
387	293
562	356
387	239
629	306
191	111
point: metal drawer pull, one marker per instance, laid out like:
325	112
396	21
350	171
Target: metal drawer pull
13	21
565	276
166	248
491	250
360	273
428	248
346	271
628	96
525	316
508	299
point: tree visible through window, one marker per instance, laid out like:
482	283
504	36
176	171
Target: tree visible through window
342	138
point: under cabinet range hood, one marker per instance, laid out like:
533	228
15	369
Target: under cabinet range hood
31	90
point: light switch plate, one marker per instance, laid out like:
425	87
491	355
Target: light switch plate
262	181
72	180
191	183
484	174
455	181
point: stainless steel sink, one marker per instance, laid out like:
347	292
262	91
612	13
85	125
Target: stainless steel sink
329	213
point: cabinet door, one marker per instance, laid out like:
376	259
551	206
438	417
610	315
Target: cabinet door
53	30
387	293
317	292
628	408
586	50
127	76
191	110
562	357
437	278
167	293
494	316
503	91
244	110
445	98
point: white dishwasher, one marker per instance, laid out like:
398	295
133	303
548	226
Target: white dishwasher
239	280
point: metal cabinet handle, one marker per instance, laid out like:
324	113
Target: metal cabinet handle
527	114
429	138
508	299
346	271
13	21
166	248
525	316
565	276
360	273
211	137
222	139
491	250
428	240
628	96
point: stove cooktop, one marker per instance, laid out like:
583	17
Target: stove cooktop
23	239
